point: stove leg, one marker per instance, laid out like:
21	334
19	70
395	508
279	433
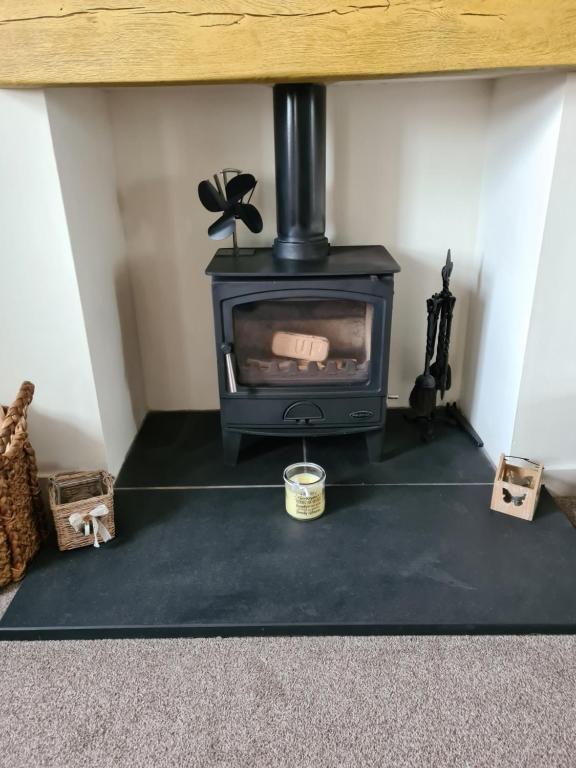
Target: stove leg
231	444
375	445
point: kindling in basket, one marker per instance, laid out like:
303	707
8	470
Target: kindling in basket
82	505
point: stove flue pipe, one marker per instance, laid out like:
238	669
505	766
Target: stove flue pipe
300	149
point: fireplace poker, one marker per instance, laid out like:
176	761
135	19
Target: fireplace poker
440	369
444	380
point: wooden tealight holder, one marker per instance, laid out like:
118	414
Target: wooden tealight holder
517	487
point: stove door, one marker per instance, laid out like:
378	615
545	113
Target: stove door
298	340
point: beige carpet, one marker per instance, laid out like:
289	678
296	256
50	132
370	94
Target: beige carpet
492	701
568	505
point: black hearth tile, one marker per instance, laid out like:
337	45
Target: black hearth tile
450	457
184	448
180	448
381	560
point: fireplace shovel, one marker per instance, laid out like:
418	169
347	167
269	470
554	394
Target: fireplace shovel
423	395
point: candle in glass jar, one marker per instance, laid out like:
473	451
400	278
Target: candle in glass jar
304	485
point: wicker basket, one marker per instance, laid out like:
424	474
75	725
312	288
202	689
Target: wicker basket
80	492
22	522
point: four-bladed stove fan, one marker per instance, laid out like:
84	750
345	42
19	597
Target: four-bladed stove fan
227	196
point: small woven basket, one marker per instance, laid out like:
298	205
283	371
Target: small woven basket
72	492
22	522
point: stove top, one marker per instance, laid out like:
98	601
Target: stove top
342	260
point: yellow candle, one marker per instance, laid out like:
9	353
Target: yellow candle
305	496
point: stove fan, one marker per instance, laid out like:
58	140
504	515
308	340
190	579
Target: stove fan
227	197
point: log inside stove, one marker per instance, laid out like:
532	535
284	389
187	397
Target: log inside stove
277	371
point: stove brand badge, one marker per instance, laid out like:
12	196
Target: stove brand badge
362	414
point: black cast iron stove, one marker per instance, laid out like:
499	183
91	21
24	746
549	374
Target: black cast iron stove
336	301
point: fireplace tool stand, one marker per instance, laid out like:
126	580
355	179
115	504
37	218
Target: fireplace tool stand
437	376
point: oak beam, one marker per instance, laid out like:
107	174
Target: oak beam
78	42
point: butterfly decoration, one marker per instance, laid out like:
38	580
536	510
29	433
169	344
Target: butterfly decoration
509	498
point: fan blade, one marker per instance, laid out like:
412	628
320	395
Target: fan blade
223	227
238	186
249	215
210	198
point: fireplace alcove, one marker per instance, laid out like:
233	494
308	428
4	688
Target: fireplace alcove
418	166
465	152
471	164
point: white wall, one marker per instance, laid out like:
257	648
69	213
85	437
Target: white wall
65	314
545	425
522	141
43	337
83	147
404	169
166	141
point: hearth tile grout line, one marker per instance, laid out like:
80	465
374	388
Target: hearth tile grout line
281	485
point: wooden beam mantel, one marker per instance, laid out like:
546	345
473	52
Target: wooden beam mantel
80	42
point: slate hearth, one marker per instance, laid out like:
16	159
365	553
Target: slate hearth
407	546
183	448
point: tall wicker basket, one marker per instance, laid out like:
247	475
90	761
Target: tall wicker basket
22	522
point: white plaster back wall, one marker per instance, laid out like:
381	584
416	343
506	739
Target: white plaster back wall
545	425
43	335
404	169
167	140
85	158
522	140
406	163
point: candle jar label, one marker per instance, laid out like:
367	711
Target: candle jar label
304	507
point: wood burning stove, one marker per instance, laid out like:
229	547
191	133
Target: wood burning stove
302	329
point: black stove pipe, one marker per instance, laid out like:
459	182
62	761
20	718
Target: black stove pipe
300	149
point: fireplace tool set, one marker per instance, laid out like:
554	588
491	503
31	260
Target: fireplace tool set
437	376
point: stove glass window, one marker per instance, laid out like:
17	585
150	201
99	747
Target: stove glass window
286	342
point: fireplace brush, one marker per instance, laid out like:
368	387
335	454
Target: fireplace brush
423	395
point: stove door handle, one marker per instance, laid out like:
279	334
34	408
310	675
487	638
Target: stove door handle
230	375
